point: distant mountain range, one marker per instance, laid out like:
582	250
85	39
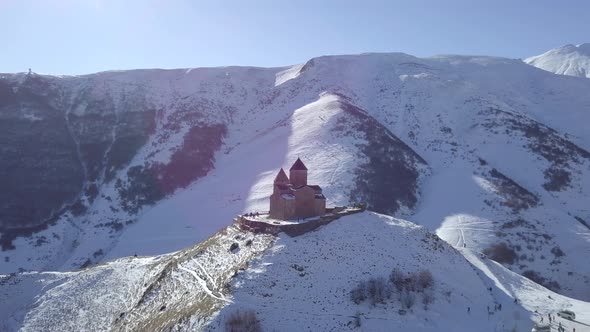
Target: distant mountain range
572	60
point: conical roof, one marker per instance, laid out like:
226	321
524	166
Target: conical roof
282	177
298	166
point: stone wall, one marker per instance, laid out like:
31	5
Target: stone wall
292	230
298	178
305	203
281	208
320	207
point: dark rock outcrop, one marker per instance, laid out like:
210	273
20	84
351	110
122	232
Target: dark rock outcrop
63	138
560	153
39	164
390	177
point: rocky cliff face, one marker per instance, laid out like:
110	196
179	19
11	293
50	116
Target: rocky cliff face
40	161
66	137
388	181
62	144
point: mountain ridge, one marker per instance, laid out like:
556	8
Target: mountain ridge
170	156
572	60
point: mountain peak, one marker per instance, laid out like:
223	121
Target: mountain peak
571	60
585	47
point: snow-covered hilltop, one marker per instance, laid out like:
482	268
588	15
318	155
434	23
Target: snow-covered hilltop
572	60
361	272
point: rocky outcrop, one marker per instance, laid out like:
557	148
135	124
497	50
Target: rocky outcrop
561	154
40	166
389	179
64	138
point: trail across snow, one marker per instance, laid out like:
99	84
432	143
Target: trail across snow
508	286
203	284
315	272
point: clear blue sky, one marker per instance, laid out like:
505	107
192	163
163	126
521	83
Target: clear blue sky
84	36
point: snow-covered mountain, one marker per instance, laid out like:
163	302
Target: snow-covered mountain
572	60
489	153
290	284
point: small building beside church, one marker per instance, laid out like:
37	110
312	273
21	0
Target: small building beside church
293	198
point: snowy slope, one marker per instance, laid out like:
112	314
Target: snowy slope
293	284
304	283
572	60
481	150
135	293
333	157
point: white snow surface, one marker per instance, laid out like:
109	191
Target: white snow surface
304	283
293	284
572	60
437	106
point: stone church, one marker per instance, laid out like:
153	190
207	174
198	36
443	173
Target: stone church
293	198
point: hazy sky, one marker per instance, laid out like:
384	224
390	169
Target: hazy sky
84	36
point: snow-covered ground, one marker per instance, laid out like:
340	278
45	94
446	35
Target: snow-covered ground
291	283
537	300
130	294
228	190
304	283
468	118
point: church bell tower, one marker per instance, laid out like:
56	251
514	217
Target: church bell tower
298	174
